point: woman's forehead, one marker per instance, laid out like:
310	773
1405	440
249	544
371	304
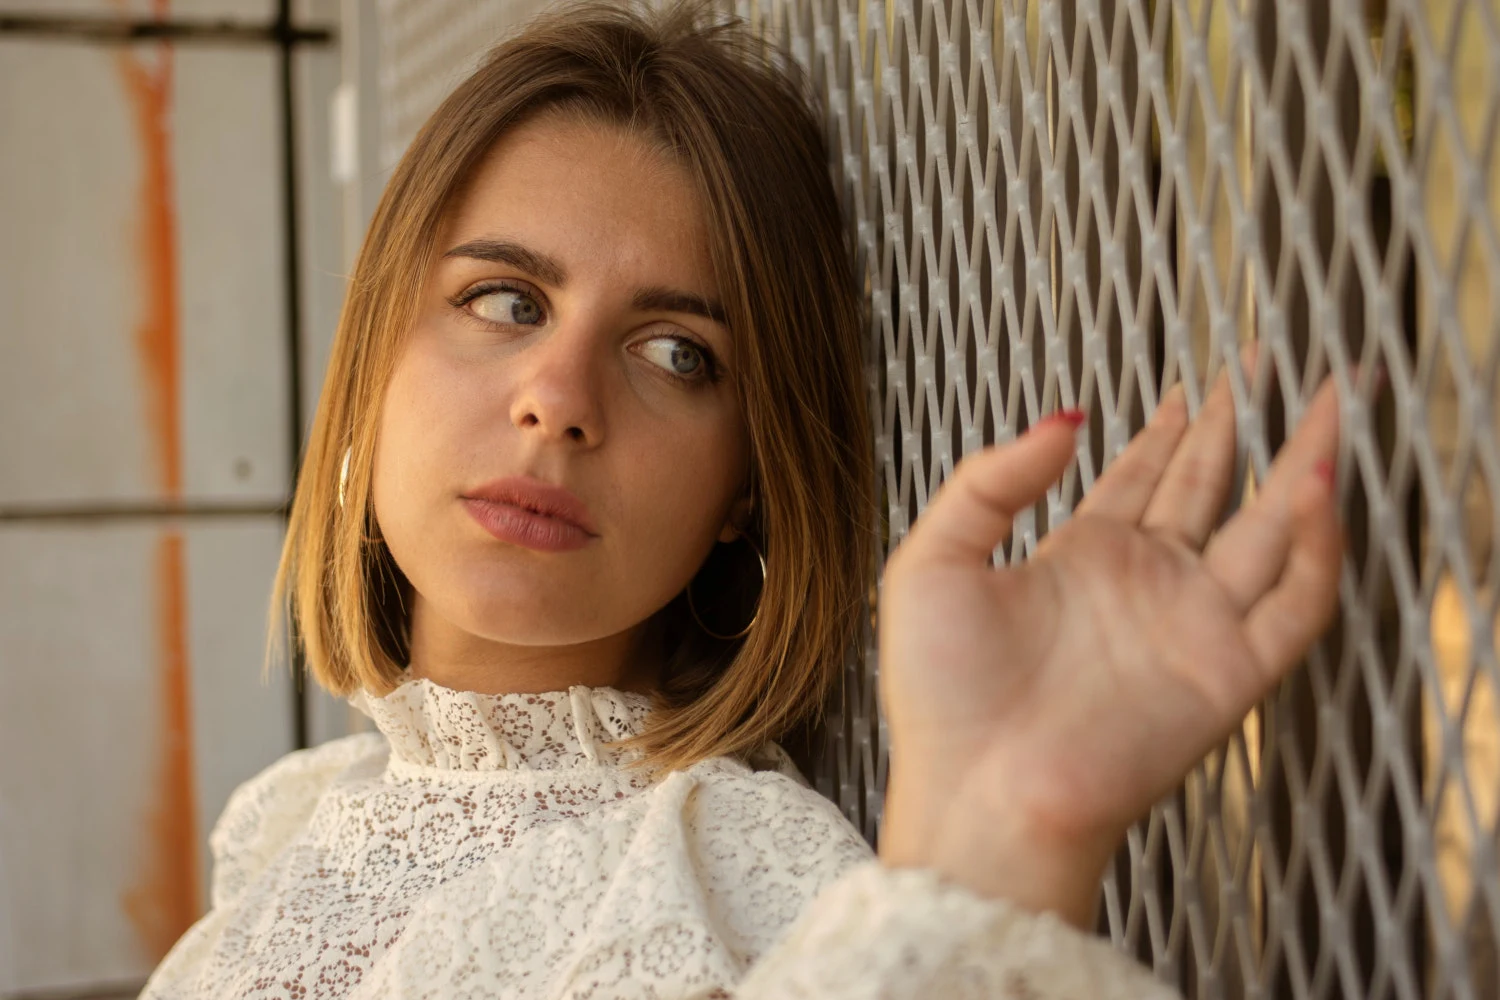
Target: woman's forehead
592	196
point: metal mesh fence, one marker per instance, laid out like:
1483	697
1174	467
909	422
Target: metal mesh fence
1081	203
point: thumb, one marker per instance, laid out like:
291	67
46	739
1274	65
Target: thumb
973	511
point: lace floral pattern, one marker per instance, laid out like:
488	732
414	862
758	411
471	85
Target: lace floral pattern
491	846
433	726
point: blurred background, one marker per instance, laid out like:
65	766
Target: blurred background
182	188
171	261
1055	203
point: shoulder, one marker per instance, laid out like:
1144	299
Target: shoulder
775	806
268	810
289	788
765	844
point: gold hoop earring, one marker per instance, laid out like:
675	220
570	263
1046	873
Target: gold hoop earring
753	618
344	476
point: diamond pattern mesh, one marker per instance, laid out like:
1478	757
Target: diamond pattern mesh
1081	203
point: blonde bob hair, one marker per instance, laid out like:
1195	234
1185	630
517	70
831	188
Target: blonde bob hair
736	116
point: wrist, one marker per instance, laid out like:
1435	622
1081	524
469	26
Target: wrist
1016	856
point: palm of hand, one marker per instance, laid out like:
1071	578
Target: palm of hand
1099	681
1061	698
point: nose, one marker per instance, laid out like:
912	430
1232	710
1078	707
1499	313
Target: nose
558	395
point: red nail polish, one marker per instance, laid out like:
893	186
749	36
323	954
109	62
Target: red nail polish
1073	418
1325	471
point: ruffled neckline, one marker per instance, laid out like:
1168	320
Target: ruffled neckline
433	726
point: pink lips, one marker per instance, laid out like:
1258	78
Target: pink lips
531	513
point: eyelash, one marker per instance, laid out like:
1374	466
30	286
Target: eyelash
713	373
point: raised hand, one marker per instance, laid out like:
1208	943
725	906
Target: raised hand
1036	712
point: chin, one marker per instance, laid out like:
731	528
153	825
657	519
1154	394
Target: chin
527	612
537	631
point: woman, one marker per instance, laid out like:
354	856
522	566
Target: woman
586	522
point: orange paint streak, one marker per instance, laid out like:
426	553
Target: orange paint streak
164	901
150	93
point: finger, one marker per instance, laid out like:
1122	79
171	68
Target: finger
1248	554
1289	618
972	512
1316	439
1190	498
1125	489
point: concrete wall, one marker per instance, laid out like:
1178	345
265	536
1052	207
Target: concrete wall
148	414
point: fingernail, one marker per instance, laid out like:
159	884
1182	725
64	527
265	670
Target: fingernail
1325	471
1073	418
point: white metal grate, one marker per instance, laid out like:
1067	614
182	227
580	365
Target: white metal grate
425	50
1079	203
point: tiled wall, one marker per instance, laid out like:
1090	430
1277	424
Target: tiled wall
157	352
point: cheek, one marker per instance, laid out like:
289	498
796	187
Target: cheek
401	420
684	483
420	430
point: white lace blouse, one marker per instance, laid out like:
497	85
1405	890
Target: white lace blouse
489	846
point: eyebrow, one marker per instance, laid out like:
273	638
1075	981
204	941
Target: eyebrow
538	265
670	300
551	272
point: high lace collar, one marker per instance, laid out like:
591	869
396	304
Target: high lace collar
435	726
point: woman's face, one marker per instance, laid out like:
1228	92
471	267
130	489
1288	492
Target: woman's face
570	333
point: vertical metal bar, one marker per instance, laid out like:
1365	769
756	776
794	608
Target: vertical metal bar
292	259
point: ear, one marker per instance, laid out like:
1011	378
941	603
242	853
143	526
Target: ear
739	517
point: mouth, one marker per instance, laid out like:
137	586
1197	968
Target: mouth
531	513
526	528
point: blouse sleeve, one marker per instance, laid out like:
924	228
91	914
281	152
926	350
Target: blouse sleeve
262	816
904	935
265	812
864	931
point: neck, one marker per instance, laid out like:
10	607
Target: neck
452	658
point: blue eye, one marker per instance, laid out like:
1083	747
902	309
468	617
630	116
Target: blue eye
507	305
682	358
